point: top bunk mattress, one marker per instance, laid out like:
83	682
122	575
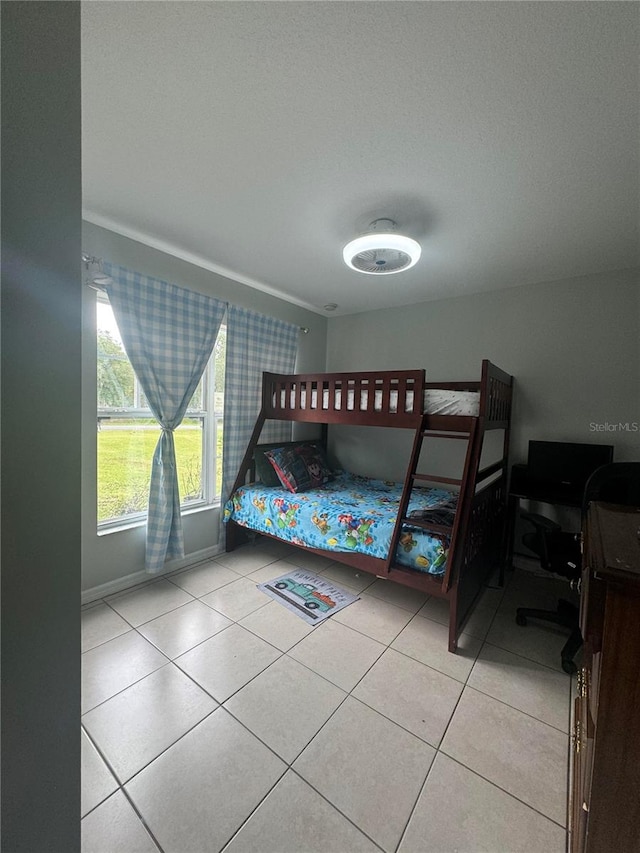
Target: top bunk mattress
437	401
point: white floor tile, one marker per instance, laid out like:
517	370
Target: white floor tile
491	596
270	572
237	599
205	781
227	661
337	653
436	609
477	624
368	768
247	559
277	625
528	686
285	706
351	578
517	753
197	794
114	827
479	621
377	619
182	629
101	624
309	562
459	812
411	694
148	601
109	668
138	724
427	641
202	579
537	641
395	593
97	781
312	824
275	547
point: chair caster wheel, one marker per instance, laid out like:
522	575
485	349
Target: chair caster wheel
569	667
520	620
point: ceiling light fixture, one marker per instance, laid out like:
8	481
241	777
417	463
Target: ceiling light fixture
381	251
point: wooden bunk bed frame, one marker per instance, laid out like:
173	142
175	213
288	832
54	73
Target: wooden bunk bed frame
478	534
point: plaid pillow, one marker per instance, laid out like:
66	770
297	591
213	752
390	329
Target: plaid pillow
299	468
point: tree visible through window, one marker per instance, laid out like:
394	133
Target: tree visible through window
128	432
116	379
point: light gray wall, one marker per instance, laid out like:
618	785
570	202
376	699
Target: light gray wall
112	557
573	347
41	336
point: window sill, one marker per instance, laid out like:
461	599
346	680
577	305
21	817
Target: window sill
117	527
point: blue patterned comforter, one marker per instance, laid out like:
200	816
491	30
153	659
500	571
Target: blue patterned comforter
350	513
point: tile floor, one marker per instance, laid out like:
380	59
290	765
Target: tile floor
216	720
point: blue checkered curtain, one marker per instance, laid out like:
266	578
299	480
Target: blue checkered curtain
168	333
254	343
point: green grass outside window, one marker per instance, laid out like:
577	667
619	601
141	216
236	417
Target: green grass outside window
124	465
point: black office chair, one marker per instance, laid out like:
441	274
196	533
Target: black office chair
559	551
615	483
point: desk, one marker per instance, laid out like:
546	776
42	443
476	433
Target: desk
522	487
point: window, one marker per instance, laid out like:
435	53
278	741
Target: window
128	432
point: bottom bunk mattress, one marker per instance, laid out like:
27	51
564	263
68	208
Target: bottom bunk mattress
350	513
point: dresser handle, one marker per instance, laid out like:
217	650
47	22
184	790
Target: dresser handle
581	685
576	736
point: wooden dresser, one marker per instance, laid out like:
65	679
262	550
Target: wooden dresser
605	791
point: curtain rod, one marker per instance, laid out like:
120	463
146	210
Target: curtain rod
91	260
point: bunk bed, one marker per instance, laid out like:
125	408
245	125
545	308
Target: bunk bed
465	524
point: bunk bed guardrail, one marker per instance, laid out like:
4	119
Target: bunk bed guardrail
383	398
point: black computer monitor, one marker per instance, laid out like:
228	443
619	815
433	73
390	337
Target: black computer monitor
566	463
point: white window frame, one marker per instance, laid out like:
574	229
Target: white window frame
211	421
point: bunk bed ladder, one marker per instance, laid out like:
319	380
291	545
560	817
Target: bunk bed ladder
472	436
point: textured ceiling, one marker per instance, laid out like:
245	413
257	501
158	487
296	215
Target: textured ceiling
257	138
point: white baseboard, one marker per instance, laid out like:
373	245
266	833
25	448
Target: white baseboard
137	578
